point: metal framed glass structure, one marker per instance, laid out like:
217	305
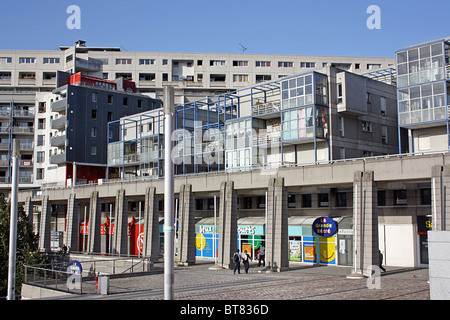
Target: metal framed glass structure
423	81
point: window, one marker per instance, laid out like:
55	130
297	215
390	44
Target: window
125	101
339	92
94	96
261	202
5	60
291	200
27	60
51	60
217	77
110	98
240	77
306	201
27	75
383	106
238	63
367	153
40	173
367	126
400	197
165	62
381	195
285	64
93	132
341	126
425	196
357	66
40	140
247	202
146	61
263	63
263	77
123	61
40	156
5	75
139	105
41	124
217	63
307	65
384	135
110	116
372	66
147	77
93	150
323	200
199	62
199	204
105	75
341	199
94	114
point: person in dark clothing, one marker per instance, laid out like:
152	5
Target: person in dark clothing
246	260
237	262
262	256
381	261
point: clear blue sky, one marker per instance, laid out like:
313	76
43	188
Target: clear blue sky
328	27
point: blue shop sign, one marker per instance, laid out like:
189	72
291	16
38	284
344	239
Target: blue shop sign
324	227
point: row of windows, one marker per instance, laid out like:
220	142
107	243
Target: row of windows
29	60
399	198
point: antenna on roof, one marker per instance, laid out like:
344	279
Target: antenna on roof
243	48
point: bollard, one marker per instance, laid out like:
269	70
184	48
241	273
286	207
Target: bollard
103	285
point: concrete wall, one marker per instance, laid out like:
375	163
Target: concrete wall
439	264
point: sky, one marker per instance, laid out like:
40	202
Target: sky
291	27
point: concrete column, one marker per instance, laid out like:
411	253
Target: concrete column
95	215
73	223
440	187
120	240
227	222
277	239
44	226
28	207
186	226
151	225
365	222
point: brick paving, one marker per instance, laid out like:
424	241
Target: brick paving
301	282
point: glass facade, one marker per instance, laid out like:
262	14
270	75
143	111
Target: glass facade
421	84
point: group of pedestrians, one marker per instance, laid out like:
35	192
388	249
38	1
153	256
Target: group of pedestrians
245	259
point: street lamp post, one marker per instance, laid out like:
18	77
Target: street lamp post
169	231
13	221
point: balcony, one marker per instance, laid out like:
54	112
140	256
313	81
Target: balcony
59	123
59	105
88	65
265	108
23	130
58	158
58	141
24	113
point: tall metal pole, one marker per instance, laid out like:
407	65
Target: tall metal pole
13	222
169	231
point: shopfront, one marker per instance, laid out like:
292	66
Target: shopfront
250	237
306	245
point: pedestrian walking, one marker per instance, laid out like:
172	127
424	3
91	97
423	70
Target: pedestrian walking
237	262
381	260
246	260
262	255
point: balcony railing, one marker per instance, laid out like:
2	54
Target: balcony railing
23	129
58	141
268	107
59	122
57	159
59	105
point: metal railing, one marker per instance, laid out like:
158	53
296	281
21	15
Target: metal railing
55	275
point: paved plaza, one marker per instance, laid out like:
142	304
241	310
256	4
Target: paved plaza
300	282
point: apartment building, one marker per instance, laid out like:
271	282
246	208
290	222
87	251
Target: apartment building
71	131
423	95
195	76
318	116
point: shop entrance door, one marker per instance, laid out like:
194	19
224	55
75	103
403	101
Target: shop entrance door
345	250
